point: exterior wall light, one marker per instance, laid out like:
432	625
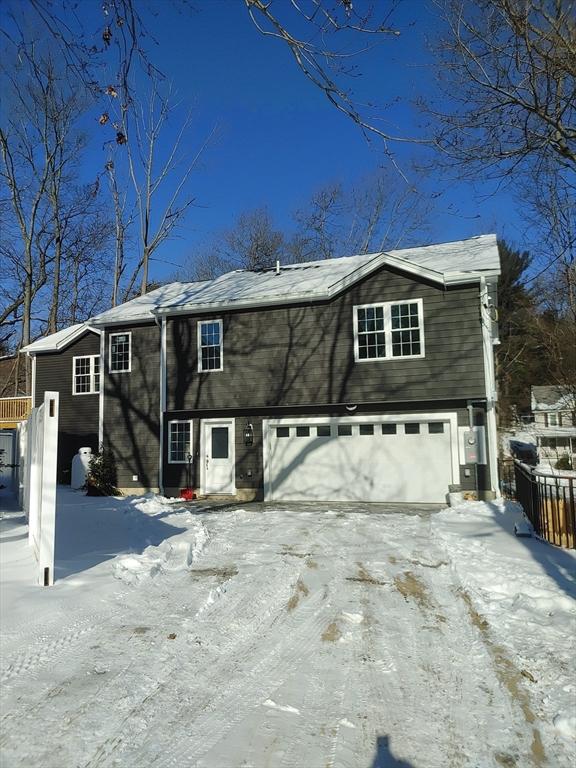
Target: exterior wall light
351	407
248	434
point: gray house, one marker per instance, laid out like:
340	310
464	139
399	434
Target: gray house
360	378
554	417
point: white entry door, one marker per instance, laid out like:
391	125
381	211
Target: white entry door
218	455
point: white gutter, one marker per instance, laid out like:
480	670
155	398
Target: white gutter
490	385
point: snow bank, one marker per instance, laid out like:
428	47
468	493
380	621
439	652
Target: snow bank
171	556
526	590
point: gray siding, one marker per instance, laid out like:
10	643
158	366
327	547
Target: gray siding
303	355
131	409
78	423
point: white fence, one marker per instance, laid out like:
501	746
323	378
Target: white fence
38	452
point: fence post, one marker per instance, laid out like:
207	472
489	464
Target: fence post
48	492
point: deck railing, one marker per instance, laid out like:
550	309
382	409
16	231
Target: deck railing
548	502
14	409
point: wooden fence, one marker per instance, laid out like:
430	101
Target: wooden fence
14	409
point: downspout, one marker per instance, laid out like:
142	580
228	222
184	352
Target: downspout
101	393
490	385
33	393
161	323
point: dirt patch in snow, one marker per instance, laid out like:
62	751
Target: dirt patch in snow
332	633
511	678
223	574
363	577
299	589
411	588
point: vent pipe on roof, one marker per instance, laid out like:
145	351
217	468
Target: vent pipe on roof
277	266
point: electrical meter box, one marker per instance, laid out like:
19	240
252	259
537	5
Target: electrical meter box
470	447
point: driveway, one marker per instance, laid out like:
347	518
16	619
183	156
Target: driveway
293	636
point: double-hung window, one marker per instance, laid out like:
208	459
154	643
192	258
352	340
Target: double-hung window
120	352
86	375
392	329
210	345
179	441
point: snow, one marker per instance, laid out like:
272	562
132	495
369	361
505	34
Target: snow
325	278
286	635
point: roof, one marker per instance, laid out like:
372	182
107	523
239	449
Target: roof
552	397
447	264
141	308
58	340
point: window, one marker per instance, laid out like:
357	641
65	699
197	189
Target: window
344	429
366	429
388	429
302	431
323	431
179	441
411	429
282	431
210	345
120	344
86	375
436	427
552	419
388	330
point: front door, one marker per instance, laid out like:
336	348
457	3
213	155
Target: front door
218	456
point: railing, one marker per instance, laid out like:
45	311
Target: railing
14	409
548	502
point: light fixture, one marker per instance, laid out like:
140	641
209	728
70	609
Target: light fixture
248	434
350	407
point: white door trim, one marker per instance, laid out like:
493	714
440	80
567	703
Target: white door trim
229	422
398	418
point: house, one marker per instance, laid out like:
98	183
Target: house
554	418
367	378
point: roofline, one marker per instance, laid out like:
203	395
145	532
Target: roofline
63	344
98	325
381	259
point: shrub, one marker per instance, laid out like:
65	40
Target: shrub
102	478
564	462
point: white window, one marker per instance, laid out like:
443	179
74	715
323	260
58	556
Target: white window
210	345
120	352
86	375
179	441
552	419
388	330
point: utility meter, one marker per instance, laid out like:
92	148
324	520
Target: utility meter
470	447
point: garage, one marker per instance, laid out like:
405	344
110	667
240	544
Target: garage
401	458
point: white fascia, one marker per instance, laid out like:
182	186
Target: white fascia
33	356
490	385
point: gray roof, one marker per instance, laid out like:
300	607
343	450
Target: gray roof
58	340
550	397
453	263
446	264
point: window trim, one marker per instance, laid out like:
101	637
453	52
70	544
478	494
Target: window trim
169	441
387	307
110	337
199	345
93	390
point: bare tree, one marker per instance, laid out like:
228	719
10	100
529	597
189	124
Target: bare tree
158	169
507	70
46	215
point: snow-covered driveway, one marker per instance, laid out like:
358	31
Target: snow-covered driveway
309	637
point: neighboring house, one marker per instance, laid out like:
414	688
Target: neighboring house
554	416
351	379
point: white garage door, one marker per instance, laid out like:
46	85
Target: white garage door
360	459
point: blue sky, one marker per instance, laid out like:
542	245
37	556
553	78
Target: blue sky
277	138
